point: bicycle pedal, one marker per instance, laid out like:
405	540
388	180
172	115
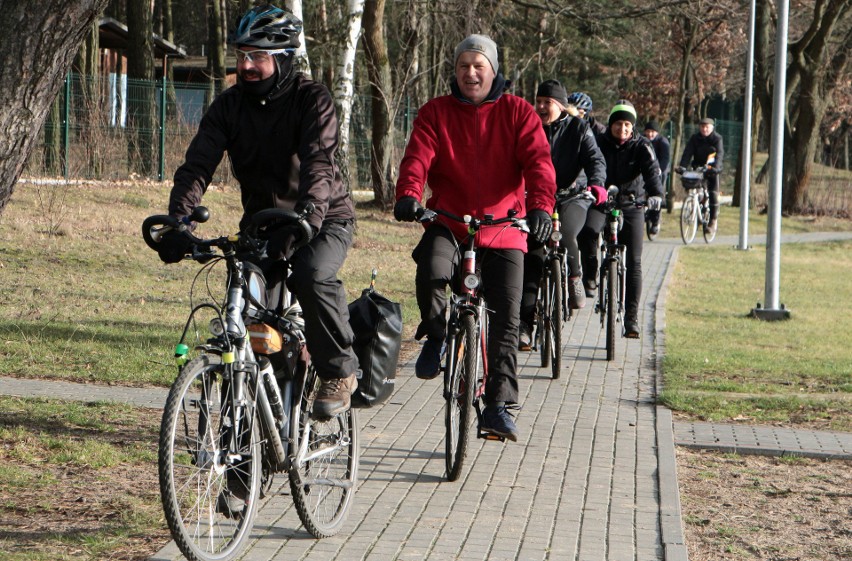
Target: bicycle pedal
485	435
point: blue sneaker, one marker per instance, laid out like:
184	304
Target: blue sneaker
496	419
428	364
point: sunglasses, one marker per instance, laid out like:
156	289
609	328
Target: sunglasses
259	56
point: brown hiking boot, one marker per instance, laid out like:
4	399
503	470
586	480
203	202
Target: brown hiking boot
334	397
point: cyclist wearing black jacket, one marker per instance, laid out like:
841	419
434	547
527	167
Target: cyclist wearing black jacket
280	132
705	148
580	172
632	166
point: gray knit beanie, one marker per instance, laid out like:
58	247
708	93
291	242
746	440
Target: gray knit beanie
478	44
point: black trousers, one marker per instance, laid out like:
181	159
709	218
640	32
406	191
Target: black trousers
713	191
313	278
438	259
572	218
631	235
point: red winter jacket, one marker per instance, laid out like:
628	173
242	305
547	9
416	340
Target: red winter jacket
480	160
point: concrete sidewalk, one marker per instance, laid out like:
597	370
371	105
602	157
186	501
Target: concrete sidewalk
592	477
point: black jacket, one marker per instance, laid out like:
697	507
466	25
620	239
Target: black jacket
281	150
700	147
663	150
576	157
632	166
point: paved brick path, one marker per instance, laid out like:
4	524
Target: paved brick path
591	478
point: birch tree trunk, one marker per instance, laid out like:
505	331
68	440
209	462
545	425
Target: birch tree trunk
35	61
343	86
302	59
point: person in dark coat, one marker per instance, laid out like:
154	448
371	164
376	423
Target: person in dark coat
580	173
279	129
631	165
663	151
705	148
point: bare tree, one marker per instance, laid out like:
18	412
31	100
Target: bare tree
141	104
343	85
381	88
36	58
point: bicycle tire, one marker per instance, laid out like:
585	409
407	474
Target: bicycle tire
709	235
688	219
554	321
324	470
462	372
541	323
191	465
611	307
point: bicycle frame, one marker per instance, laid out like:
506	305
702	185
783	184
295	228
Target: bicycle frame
611	292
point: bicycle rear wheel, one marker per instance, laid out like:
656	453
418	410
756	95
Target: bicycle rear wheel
709	235
688	219
324	470
463	360
611	307
543	327
209	489
554	320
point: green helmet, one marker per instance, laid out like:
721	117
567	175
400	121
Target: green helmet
267	27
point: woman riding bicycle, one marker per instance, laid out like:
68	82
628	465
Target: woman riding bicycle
479	149
630	161
574	151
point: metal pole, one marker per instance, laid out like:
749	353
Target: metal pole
771	309
66	126
745	172
161	172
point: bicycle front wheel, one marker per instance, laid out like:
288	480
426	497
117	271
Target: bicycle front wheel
463	359
209	464
554	321
543	327
688	219
324	470
611	307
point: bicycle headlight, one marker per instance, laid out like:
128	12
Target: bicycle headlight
556	235
216	327
471	281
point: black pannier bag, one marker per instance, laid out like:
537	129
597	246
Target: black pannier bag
377	325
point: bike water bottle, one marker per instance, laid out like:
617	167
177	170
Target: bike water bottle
273	393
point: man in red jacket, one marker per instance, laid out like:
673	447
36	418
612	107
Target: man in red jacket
481	151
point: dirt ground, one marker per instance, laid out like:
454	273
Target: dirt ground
756	507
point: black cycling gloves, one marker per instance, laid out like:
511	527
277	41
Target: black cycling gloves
405	209
173	247
540	225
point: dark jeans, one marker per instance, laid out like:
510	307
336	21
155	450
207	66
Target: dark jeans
313	279
572	217
631	235
713	191
437	257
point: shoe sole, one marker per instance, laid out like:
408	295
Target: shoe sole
508	436
427	376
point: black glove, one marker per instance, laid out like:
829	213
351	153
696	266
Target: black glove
283	240
173	247
405	209
711	171
540	225
680	169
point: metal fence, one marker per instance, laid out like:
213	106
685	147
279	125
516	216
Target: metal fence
92	132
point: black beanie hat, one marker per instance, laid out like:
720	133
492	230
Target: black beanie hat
622	111
652	125
553	89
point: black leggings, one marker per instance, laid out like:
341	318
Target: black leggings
437	260
631	235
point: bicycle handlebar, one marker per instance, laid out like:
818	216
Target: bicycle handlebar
424	215
261	225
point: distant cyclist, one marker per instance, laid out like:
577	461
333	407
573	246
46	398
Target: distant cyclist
584	106
580	173
664	157
705	148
